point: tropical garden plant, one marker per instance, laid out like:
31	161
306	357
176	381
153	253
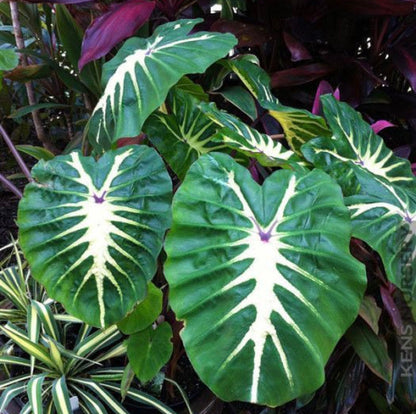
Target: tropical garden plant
265	240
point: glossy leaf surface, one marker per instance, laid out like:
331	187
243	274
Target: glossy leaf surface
383	206
262	278
139	77
238	135
91	231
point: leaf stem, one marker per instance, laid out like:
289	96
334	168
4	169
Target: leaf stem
7	183
16	155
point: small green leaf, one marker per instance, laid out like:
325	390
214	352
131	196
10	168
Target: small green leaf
370	312
372	349
145	313
192	88
126	381
39	153
149	350
25	110
8	59
241	99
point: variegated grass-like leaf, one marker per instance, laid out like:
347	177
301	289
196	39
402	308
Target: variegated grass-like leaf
92	230
139	77
262	277
383	205
237	135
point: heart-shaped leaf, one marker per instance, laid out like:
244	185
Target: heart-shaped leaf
141	74
262	277
92	230
149	350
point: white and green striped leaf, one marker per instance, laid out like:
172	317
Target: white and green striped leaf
20	379
139	77
33	330
92	230
103	395
48	320
183	135
262	278
92	403
382	199
60	396
12	286
34	392
237	135
11	392
144	398
38	351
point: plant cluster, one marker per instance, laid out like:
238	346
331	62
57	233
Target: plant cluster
282	240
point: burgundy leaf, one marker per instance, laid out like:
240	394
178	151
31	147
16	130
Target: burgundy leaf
376	7
380	125
405	60
120	22
391	308
300	75
297	51
248	35
403	151
414	168
59	1
323	88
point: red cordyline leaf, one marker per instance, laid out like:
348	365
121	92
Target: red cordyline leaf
323	88
405	60
120	22
380	125
376	7
297	51
300	75
59	1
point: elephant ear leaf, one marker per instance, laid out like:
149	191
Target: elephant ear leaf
383	205
92	230
262	278
138	79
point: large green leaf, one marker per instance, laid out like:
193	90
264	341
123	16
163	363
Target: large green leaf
383	206
92	231
182	136
262	277
139	77
237	135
